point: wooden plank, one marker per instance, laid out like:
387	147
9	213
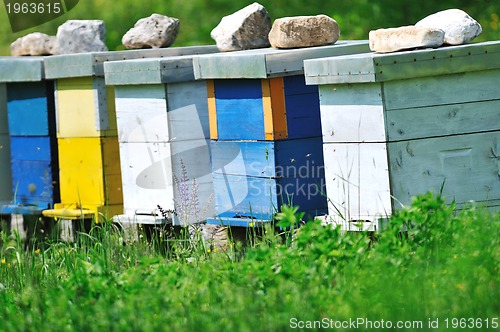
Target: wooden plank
302	108
468	165
212	109
28	108
372	67
150	71
268	62
31	148
245	197
146	170
239	64
142	113
32	182
268	111
352	113
75	119
193	183
92	116
253	159
301	174
442	90
357	181
357	68
443	120
81	171
291	61
187	111
69	66
240	113
278	106
112	173
21	69
440	61
193	157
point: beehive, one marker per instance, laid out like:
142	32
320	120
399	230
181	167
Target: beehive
163	133
91	181
28	104
401	124
265	131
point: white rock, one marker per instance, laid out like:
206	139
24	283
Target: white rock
155	31
245	29
35	43
459	28
78	36
304	31
402	38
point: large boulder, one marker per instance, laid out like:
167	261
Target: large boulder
459	28
35	43
155	31
304	31
245	29
78	36
402	38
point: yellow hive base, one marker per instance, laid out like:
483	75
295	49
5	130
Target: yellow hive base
70	212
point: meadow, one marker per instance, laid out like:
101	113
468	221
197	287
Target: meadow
432	268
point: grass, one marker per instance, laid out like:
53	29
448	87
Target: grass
445	267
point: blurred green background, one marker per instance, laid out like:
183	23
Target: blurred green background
198	17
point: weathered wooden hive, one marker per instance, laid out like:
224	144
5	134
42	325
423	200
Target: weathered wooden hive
401	124
90	177
29	175
265	131
163	134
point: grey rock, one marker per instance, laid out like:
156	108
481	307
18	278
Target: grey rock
304	31
79	36
155	31
245	29
402	38
459	28
35	43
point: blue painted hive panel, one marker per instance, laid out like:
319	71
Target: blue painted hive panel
32	148
33	183
240	112
303	114
301	174
253	179
30	108
34	170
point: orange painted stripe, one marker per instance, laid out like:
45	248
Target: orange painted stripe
212	110
268	110
277	88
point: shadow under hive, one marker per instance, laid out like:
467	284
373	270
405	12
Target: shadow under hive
398	125
265	132
163	134
28	104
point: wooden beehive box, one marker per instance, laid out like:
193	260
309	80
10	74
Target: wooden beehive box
90	176
265	131
163	132
401	124
31	132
